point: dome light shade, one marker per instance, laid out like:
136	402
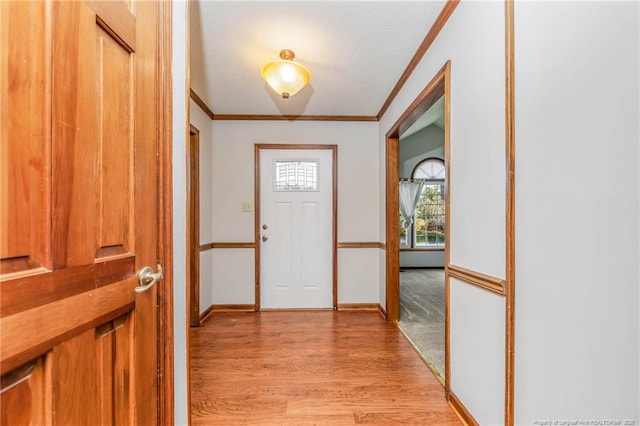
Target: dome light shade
286	77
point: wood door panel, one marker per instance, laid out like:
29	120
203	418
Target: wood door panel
80	99
93	374
146	350
24	395
106	372
30	333
117	19
115	369
29	292
146	130
76	387
123	368
23	141
115	170
75	134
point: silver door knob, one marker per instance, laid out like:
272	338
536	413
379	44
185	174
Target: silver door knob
265	227
264	238
147	278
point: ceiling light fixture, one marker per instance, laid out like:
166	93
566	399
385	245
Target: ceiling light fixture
286	77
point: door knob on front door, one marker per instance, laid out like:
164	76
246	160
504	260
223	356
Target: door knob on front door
147	278
264	238
265	227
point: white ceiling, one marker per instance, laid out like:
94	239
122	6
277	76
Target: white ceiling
356	52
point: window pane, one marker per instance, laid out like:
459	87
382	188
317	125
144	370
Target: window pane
404	241
430	169
296	175
429	217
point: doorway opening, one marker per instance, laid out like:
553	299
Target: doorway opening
420	238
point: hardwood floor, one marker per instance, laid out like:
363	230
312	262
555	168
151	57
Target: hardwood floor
310	368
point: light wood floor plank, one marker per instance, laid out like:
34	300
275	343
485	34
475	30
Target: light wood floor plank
310	368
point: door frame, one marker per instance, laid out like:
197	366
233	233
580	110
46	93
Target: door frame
193	225
440	85
256	201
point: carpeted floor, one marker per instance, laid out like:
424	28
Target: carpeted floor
422	312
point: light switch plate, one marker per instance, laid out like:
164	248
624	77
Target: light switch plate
246	206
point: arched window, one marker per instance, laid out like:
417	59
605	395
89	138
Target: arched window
428	228
430	169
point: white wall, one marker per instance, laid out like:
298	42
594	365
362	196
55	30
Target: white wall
358	201
233	277
179	72
577	136
468	381
428	142
473	39
407	166
358	275
203	123
422	259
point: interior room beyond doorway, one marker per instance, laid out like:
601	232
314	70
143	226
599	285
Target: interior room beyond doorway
422	236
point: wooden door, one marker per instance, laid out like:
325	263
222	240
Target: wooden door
296	224
79	218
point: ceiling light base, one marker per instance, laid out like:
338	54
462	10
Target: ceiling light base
287	55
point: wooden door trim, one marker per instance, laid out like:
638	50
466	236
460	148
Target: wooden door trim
166	411
440	85
334	177
510	215
431	93
392	239
193	226
447	236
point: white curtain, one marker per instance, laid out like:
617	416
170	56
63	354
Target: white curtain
410	190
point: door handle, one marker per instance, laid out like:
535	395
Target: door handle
264	238
147	278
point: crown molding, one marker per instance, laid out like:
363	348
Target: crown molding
269	117
202	104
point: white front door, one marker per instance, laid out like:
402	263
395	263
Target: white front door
296	228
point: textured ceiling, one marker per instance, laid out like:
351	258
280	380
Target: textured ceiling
356	52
